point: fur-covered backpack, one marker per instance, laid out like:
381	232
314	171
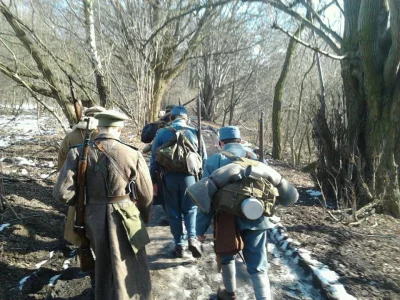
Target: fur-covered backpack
179	154
150	129
232	196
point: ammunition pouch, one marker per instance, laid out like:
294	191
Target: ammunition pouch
135	228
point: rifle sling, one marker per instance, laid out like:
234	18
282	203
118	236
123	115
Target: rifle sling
112	160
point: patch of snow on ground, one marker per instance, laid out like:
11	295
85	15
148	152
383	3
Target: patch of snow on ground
314	193
3	226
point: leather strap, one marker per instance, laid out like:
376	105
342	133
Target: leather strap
112	160
109	200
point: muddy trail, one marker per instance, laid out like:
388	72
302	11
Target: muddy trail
35	263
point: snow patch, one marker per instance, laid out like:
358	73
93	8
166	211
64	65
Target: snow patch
53	279
314	193
22	282
3	226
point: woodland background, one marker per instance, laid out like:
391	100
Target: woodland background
325	75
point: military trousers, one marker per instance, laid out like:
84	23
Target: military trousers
254	251
180	205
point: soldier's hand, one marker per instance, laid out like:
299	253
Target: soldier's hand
155	189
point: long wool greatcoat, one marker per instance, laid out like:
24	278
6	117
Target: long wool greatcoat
75	137
119	274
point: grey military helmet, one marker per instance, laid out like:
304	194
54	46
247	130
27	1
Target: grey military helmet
111	118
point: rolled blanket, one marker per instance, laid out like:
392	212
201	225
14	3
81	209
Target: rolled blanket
287	192
202	191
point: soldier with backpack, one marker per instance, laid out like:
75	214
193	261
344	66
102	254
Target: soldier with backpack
174	156
253	233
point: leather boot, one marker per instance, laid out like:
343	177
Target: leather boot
178	251
194	247
222	294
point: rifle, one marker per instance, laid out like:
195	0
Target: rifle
77	103
85	253
166	116
199	129
261	137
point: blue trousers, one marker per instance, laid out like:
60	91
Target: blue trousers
179	205
254	251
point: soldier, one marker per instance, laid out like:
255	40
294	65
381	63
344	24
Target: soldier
75	137
253	232
162	122
119	194
178	203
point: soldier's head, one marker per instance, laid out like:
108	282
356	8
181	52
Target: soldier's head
111	121
168	108
89	112
229	134
179	112
92	111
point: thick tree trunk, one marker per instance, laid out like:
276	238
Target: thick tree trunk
277	104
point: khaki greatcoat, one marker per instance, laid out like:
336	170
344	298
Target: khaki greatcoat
75	137
119	273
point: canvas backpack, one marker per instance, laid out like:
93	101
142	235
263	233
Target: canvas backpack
230	197
149	131
179	154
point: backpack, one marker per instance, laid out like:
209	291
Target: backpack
179	154
230	197
149	131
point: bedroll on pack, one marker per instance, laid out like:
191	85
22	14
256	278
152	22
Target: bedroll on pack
203	193
179	154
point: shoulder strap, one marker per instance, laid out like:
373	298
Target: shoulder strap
234	157
118	140
229	155
170	128
112	160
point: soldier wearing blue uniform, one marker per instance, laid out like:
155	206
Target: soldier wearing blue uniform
178	203
253	232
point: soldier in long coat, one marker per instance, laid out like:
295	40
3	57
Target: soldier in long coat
75	137
115	211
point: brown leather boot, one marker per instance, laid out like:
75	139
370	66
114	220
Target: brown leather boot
194	247
222	294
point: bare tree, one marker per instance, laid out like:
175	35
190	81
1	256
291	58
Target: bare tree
368	50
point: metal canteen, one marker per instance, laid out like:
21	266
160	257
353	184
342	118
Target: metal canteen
252	208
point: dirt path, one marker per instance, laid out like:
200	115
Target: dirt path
32	254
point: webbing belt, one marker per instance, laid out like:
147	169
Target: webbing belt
109	200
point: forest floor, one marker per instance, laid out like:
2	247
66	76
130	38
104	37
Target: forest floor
33	254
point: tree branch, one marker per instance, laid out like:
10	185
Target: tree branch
282	7
316	49
315	15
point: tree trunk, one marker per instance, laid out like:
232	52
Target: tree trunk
101	85
277	104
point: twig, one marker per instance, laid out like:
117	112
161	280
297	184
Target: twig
8	204
20	218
